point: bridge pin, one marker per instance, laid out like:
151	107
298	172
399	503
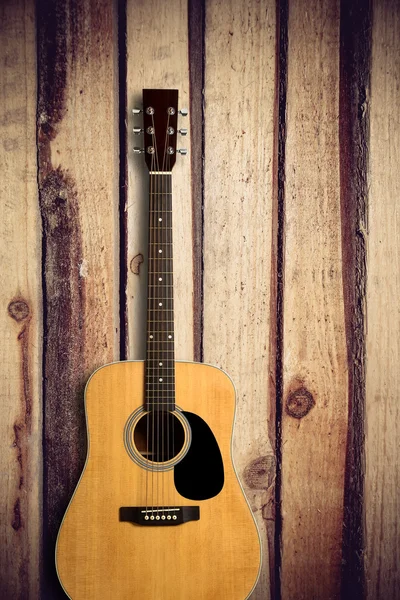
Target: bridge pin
163	517
158	517
152	518
169	517
174	517
146	518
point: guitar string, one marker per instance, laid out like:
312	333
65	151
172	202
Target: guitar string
148	358
156	344
169	206
162	312
151	345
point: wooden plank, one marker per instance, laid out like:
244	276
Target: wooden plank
315	401
382	479
78	179
355	62
240	42
157	55
21	322
196	28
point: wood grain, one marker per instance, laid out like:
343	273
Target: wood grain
215	557
78	178
239	146
355	64
382	480
157	57
314	414
21	314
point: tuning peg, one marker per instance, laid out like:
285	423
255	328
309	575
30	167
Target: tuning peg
137	130
182	151
183	131
137	111
138	150
184	112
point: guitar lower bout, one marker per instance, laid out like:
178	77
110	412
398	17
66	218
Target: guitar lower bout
159	513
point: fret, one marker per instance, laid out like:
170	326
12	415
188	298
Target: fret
158	351
159	402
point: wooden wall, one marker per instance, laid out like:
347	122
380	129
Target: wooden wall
287	262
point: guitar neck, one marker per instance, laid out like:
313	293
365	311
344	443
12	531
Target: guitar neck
160	364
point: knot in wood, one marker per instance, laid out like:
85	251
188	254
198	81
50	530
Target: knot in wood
259	474
135	263
299	403
18	310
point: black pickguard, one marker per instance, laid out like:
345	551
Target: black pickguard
200	475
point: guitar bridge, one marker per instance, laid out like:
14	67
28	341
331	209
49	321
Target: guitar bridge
160	516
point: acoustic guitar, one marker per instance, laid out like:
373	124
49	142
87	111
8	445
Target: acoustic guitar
159	513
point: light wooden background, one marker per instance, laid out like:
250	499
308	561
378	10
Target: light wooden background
286	245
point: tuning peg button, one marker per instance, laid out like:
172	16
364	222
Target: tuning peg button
183	131
184	112
138	150
182	151
137	111
137	130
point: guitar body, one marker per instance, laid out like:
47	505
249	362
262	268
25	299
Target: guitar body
100	556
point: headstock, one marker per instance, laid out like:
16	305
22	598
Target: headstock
160	122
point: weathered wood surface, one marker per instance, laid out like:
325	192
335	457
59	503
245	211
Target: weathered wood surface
382	481
238	241
78	193
21	309
270	244
315	406
157	57
355	64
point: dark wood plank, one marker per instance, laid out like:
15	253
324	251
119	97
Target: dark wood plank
78	178
196	14
355	59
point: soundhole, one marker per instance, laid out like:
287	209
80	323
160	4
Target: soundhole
159	436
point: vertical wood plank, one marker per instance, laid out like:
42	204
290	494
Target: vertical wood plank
78	179
21	321
382	480
355	63
314	415
240	42
157	55
196	28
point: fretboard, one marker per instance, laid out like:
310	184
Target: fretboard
160	364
